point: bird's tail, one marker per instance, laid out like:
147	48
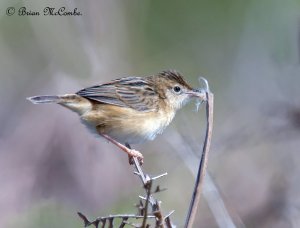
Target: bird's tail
44	99
71	101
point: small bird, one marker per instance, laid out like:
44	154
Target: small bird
128	110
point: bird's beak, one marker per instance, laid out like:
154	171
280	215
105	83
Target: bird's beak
197	93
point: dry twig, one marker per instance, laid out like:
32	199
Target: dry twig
160	220
203	161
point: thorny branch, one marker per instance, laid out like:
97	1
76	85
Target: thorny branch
143	207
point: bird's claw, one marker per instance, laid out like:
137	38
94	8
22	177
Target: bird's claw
134	153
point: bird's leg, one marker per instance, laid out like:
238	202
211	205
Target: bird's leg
130	157
131	152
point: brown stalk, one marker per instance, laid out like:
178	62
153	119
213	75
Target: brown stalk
203	162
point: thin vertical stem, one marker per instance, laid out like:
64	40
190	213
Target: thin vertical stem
203	162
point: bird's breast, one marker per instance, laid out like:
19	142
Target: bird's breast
155	124
129	126
135	129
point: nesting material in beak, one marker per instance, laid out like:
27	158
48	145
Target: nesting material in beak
197	93
200	93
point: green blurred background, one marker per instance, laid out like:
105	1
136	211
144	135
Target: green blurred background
51	167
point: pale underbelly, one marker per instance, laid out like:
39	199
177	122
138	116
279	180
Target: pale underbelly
134	133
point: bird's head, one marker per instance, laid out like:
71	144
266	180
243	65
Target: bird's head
175	90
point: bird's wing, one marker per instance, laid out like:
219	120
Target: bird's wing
131	92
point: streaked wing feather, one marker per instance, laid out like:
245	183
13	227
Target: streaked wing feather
125	92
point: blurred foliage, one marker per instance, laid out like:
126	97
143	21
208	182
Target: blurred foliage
248	50
47	215
180	34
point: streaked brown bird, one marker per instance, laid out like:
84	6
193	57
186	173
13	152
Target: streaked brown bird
128	110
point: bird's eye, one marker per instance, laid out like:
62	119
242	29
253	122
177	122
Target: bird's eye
177	89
